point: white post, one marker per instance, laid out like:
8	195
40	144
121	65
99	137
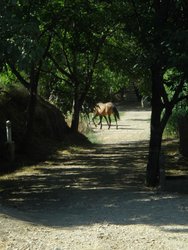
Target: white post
9	131
10	143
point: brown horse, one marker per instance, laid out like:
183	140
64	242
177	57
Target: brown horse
103	110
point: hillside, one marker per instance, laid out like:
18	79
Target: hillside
50	127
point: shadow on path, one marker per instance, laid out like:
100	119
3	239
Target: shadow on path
101	184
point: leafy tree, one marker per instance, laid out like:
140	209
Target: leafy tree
160	28
80	34
26	43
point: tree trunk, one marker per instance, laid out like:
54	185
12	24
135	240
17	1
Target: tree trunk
153	166
75	117
79	99
76	109
31	108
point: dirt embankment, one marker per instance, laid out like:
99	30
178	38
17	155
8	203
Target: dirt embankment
93	198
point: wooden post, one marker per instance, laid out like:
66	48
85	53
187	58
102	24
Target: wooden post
9	131
10	142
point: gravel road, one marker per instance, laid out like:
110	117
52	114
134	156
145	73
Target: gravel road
93	198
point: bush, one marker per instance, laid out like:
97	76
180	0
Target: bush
178	126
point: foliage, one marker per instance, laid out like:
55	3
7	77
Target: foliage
180	110
79	31
7	79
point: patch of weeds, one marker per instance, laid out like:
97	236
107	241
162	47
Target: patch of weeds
92	137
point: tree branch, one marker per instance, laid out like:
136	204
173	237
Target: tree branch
178	90
64	72
64	52
43	57
18	75
137	15
164	95
54	75
182	98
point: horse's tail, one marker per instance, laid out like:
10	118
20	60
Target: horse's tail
116	112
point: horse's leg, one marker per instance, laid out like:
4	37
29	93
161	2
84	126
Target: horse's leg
106	120
100	122
93	119
116	121
109	125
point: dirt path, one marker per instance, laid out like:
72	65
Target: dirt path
93	198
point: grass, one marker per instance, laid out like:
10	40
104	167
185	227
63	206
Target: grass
92	137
